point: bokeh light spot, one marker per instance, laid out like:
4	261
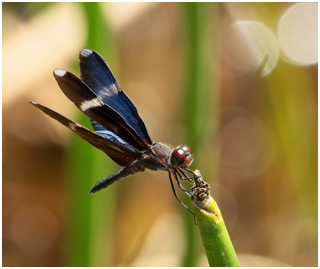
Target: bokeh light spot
251	47
298	34
34	229
247	145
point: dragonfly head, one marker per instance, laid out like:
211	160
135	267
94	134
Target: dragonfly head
181	156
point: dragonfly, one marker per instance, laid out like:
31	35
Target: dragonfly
118	129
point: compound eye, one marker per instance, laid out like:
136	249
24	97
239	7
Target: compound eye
186	149
178	157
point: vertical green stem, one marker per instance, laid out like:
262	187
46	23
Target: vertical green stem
90	216
198	95
215	237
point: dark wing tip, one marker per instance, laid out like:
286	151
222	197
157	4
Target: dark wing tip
37	105
59	72
86	52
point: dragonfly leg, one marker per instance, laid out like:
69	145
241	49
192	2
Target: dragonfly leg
175	172
175	194
183	175
196	175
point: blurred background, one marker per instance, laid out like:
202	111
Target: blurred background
237	82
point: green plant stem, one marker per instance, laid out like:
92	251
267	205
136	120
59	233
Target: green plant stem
90	216
215	237
197	105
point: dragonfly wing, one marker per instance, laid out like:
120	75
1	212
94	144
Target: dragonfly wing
99	129
90	104
97	75
117	152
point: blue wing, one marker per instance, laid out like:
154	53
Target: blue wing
96	74
111	136
91	105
